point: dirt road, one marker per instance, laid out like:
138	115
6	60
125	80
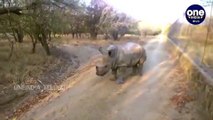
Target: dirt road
100	98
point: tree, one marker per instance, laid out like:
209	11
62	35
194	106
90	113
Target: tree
35	18
94	12
107	20
115	24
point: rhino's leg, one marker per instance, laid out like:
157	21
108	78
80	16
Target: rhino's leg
120	80
140	69
135	69
114	73
140	66
120	75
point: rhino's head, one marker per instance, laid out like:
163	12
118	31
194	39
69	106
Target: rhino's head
106	62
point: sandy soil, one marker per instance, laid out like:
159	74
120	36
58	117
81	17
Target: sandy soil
90	97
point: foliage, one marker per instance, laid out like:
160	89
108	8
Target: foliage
43	19
117	24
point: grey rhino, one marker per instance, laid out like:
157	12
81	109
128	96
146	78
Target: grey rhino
119	57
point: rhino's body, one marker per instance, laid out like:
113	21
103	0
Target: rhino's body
121	56
129	55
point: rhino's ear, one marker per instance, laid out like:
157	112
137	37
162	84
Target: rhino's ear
101	50
112	51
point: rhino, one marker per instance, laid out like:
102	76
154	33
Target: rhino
118	57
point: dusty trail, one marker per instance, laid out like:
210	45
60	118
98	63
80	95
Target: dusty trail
99	98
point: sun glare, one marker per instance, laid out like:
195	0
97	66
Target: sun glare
155	12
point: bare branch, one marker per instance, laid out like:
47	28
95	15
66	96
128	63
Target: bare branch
15	10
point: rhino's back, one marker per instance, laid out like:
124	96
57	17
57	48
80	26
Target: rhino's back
131	48
130	53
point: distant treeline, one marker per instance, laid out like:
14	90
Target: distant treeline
43	19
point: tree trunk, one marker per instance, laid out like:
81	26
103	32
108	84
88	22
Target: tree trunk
115	35
73	35
79	35
43	40
14	35
19	35
11	49
34	48
106	36
94	35
34	42
54	34
49	36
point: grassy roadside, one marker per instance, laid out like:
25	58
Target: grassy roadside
196	87
193	39
201	91
23	65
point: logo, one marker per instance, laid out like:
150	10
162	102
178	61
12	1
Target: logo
195	14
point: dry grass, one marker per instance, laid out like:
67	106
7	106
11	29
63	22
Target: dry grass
23	65
194	38
201	90
67	39
197	88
